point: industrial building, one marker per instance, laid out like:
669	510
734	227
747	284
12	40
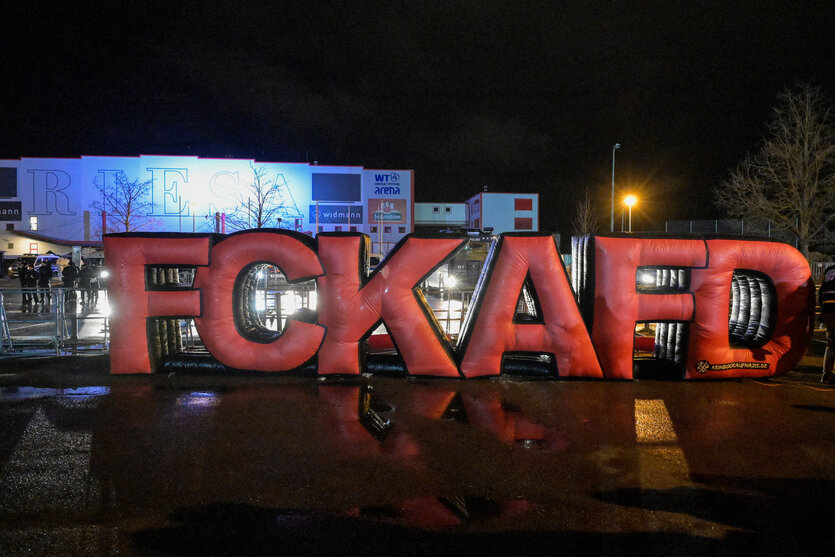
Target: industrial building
62	198
48	201
491	212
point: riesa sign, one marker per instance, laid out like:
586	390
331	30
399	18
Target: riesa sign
351	304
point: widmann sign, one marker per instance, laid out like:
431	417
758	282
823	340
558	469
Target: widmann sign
764	287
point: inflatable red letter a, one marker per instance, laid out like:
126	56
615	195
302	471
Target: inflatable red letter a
490	331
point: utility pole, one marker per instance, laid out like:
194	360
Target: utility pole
612	224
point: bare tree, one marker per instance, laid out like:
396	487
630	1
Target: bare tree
260	205
586	220
791	179
126	202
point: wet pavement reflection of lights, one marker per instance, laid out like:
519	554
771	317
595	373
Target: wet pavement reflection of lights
653	423
26	393
199	399
158	465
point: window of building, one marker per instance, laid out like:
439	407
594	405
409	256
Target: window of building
436	209
337	229
523	223
373	229
33	223
321	229
448	209
353	229
387	230
33	248
523	204
10	245
477	223
402	230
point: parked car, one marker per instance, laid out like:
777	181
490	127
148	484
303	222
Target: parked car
57	262
19	263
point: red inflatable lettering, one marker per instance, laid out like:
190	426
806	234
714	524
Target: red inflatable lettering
219	326
617	303
492	333
710	353
747	307
350	307
132	303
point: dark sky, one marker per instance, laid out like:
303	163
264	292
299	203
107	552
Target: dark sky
515	96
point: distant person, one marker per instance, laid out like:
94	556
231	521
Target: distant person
826	298
69	277
22	276
95	285
45	274
32	277
87	276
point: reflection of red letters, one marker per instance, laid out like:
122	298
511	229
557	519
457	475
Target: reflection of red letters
299	341
349	309
792	331
132	304
617	304
494	333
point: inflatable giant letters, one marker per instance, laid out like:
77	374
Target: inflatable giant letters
722	308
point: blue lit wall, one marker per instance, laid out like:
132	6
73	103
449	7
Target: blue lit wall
186	192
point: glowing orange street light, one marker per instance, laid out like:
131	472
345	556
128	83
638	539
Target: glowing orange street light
629	201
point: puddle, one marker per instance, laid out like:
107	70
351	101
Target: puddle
27	393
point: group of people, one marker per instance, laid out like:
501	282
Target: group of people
36	283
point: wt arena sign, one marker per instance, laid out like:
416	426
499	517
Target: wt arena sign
724	308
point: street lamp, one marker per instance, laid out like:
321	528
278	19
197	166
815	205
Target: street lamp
612	225
629	201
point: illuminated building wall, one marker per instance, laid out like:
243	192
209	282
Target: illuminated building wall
55	197
504	212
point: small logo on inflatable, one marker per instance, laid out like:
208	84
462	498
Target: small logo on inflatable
703	366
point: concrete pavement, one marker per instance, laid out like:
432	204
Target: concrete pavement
197	465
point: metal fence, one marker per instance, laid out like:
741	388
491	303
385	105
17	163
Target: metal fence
818	267
52	321
731	227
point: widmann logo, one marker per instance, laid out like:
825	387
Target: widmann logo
10	210
387	190
703	366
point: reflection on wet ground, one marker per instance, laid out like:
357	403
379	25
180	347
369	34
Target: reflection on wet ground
308	466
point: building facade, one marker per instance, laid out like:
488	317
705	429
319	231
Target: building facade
503	212
58	198
435	217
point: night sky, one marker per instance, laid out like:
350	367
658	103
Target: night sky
512	96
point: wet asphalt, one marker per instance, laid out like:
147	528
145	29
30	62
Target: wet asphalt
214	465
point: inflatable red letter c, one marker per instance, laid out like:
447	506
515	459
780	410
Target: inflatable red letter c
289	251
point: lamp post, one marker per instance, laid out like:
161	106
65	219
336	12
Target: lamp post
612	224
629	201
